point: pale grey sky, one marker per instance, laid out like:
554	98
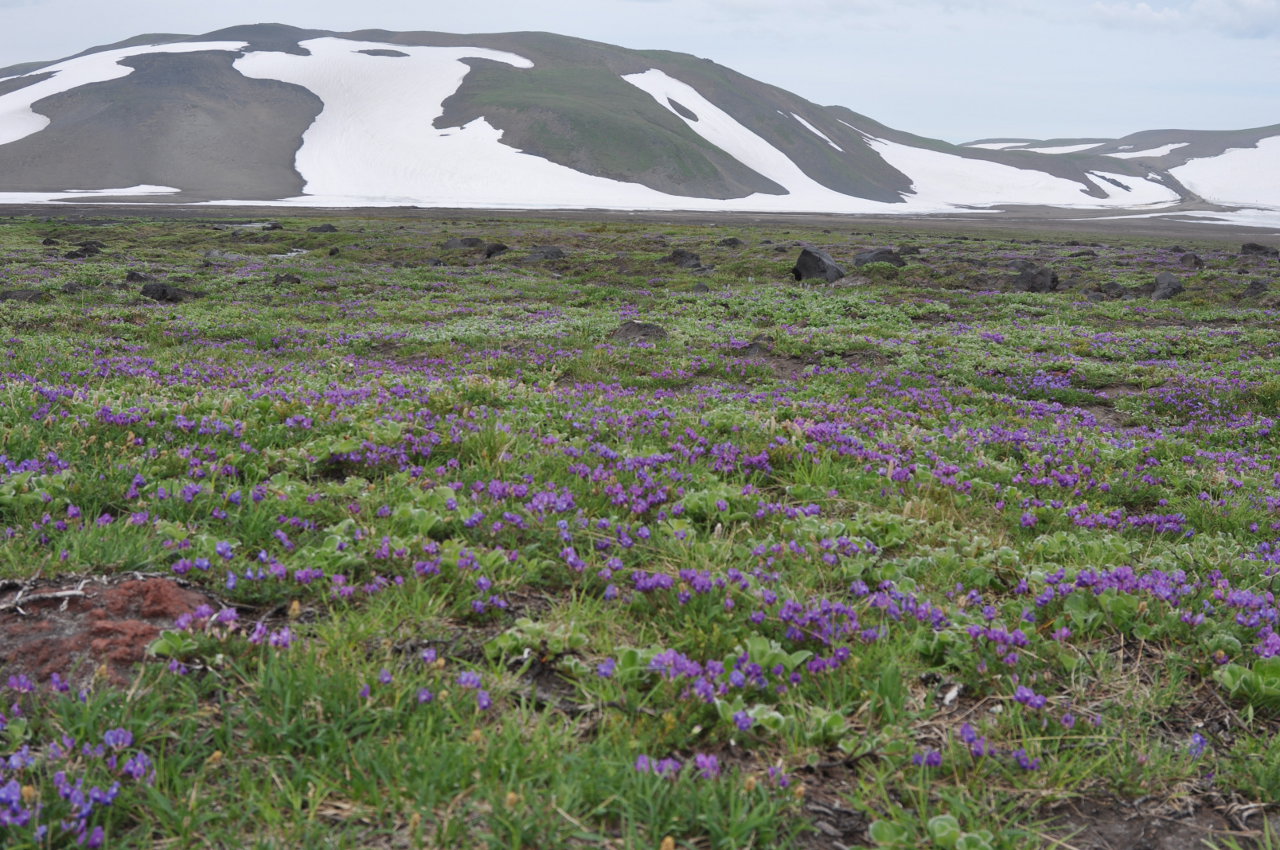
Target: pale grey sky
951	69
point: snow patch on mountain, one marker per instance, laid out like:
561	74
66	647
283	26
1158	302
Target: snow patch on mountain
940	178
17	117
1248	176
1160	151
817	132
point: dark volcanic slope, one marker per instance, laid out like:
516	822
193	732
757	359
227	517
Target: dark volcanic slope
185	120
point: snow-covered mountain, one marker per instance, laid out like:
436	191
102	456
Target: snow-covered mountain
1236	167
275	114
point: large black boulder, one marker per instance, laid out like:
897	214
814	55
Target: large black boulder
547	252
27	296
167	294
880	255
322	228
1036	279
682	259
638	332
812	264
1253	249
1191	261
1167	286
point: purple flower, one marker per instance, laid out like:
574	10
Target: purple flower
929	758
1024	761
743	721
483	700
117	739
1197	746
707	765
606	668
469	679
384	676
224	549
425	695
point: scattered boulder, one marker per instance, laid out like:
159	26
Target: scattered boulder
1255	289
493	249
701	287
1253	249
908	250
879	255
730	242
758	347
1023	265
135	276
1036	279
1177	249
638	332
26	296
322	228
547	252
166	294
74	255
1111	289
813	263
1191	261
683	259
1167	286
286	279
333	252
1088	252
458	243
50	241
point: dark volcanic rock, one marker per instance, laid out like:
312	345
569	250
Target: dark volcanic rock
683	259
909	250
1023	265
638	332
1111	289
137	277
813	263
1191	261
27	296
322	228
547	252
50	241
493	249
1036	279
730	242
286	279
1253	249
1255	289
880	255
1085	253
458	243
701	287
167	294
1167	286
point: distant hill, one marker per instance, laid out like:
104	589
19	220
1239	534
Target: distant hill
272	113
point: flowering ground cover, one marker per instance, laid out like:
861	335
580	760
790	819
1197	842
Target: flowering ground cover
904	560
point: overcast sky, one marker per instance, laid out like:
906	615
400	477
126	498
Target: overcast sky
951	69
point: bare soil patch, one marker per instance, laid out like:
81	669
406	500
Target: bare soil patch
76	627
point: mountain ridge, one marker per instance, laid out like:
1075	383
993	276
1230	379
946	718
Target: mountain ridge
276	113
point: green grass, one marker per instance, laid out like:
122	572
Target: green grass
937	559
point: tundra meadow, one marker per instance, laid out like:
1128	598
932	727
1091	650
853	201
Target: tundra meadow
517	533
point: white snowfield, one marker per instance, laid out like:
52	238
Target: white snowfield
1063	148
18	120
817	132
1245	176
1160	151
375	143
73	194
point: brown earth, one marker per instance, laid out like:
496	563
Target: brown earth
82	627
